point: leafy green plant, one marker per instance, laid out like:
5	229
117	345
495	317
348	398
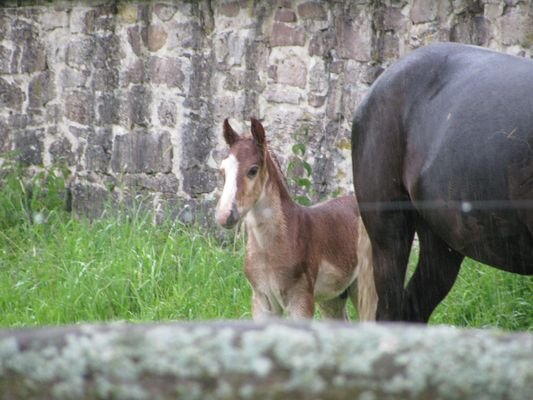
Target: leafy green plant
299	171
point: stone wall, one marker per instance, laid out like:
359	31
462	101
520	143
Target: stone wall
131	96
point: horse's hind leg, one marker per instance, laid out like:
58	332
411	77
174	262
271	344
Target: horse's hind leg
391	234
437	269
334	308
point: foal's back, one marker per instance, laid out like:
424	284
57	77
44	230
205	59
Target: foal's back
334	226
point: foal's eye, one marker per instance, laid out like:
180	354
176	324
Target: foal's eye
252	172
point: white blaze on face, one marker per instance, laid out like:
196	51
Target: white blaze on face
230	166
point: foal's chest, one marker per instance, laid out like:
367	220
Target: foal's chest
268	275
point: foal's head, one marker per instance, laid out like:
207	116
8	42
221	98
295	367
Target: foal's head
245	173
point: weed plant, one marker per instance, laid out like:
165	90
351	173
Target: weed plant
56	268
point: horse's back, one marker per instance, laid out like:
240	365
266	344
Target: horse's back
448	131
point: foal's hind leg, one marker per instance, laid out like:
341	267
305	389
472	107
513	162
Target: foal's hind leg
437	269
334	308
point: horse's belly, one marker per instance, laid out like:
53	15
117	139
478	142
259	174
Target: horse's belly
497	239
332	281
508	255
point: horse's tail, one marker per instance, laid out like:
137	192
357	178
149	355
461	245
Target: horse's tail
367	297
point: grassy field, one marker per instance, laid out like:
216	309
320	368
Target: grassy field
57	269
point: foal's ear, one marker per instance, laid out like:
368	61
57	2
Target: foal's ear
258	132
230	136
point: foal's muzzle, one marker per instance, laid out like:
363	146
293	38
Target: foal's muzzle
228	220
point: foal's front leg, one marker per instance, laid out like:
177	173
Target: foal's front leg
264	308
334	308
301	305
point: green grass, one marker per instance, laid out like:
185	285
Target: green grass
486	297
59	269
67	271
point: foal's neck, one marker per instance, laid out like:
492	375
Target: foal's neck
267	220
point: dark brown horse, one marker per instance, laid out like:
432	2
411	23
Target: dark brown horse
443	146
295	255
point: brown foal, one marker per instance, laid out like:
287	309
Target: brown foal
295	255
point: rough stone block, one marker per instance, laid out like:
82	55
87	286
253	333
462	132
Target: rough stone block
134	39
198	180
53	19
481	31
318	78
284	35
105	79
11	96
100	19
390	46
166	71
516	27
6	60
80	53
154	37
108	108
282	94
233	80
107	52
166	184
230	9
98	151
82	133
33	58
41	89
5	24
371	73
25	36
72	78
61	152
139	99
393	19
200	81
79	107
142	151
230	48
88	199
424	11
315	100
29	146
353	37
167	113
77	20
54	113
322	43
291	71
18	121
186	35
493	11
284	15
5	139
135	74
312	10
127	13
165	12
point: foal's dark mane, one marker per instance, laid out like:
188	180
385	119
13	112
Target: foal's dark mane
274	169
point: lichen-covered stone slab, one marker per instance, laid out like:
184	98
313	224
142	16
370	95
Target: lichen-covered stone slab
274	360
